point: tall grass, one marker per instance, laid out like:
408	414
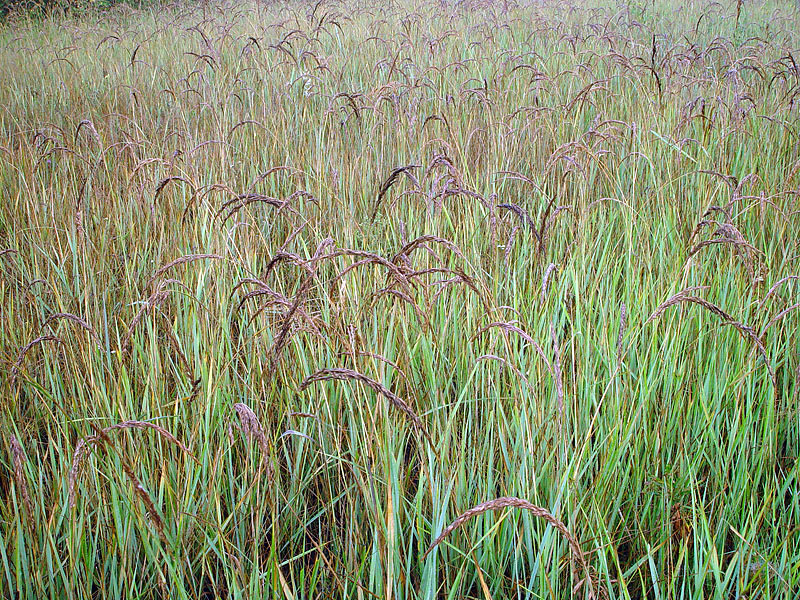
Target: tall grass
551	249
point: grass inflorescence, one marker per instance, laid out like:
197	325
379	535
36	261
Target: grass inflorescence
414	299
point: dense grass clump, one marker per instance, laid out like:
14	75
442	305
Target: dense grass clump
413	299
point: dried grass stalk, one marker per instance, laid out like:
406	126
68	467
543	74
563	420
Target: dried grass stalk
548	223
289	257
282	339
779	316
88	443
152	426
736	243
181	261
460	277
402	296
354	353
234	205
775	287
524	217
546	279
349	374
390	181
425	239
745	330
144	496
25	349
163	183
334	283
510	502
473	285
506	363
264	290
505	327
18	456
252	428
82	450
155	300
89	126
74	319
732	236
558	377
623	323
672	301
510	244
379	260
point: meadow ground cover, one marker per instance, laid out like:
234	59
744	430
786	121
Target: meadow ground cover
397	300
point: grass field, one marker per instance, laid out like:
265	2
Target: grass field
288	289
